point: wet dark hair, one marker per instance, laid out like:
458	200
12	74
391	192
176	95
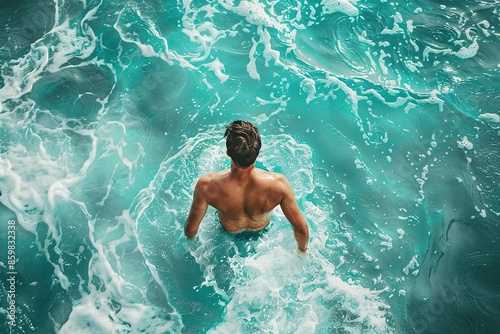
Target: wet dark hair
242	142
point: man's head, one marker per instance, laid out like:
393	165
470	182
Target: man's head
242	143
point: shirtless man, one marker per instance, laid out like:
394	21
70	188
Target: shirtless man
243	195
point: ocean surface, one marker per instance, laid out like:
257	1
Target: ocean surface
383	114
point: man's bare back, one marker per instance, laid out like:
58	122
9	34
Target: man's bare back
244	195
244	199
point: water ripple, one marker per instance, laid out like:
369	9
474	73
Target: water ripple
481	283
22	25
436	30
369	24
334	45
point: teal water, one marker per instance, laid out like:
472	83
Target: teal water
383	115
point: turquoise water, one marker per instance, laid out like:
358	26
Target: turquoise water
383	115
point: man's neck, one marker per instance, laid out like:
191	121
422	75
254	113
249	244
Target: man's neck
241	172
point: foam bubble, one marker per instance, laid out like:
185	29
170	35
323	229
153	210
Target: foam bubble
251	66
465	143
218	68
308	85
413	264
341	6
254	13
396	29
490	117
468	52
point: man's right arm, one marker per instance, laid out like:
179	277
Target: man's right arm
292	213
198	209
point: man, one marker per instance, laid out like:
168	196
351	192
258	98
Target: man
244	195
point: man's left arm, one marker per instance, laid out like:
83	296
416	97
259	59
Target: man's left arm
198	209
292	213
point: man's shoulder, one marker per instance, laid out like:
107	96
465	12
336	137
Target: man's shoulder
212	175
210	178
208	185
276	181
206	178
272	175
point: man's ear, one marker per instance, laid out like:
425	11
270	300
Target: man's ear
227	153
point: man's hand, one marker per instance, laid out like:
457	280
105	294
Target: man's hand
301	252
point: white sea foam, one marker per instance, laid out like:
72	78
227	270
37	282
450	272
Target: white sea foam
465	143
218	68
411	266
255	13
281	288
469	51
381	62
309	87
251	66
396	29
490	117
342	6
91	315
464	52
